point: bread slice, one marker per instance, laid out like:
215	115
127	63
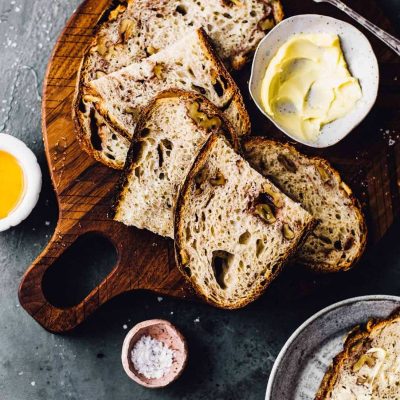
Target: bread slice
339	238
109	107
132	30
167	139
233	228
369	365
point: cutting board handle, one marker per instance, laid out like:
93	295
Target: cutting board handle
57	319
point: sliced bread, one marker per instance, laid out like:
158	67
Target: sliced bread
369	365
233	228
339	238
108	108
168	137
132	30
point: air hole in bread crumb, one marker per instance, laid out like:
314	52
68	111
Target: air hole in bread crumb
244	237
259	247
82	106
349	243
167	144
160	156
188	232
221	263
219	89
199	89
325	239
94	132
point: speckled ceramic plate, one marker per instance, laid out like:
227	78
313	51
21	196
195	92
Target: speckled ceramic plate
301	364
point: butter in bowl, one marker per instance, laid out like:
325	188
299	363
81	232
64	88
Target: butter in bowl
315	78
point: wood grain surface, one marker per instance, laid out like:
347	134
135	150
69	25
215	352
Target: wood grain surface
369	160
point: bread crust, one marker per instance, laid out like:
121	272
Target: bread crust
206	106
355	205
237	96
358	335
180	209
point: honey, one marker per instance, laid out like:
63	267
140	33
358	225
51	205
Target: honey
12	183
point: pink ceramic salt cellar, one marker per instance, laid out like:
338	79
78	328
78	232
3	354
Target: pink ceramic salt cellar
164	332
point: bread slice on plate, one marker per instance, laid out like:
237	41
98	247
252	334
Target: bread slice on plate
132	30
369	365
168	137
108	108
339	238
233	228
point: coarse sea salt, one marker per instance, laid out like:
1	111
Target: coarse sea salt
151	357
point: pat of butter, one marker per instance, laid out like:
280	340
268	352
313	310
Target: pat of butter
307	85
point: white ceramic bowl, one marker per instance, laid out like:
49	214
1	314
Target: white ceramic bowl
358	53
32	177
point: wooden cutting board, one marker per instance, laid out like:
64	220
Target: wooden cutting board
369	160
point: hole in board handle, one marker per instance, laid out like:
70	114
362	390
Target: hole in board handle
79	270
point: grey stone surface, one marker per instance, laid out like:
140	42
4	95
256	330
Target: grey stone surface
231	353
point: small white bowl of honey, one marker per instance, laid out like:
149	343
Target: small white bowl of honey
20	181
